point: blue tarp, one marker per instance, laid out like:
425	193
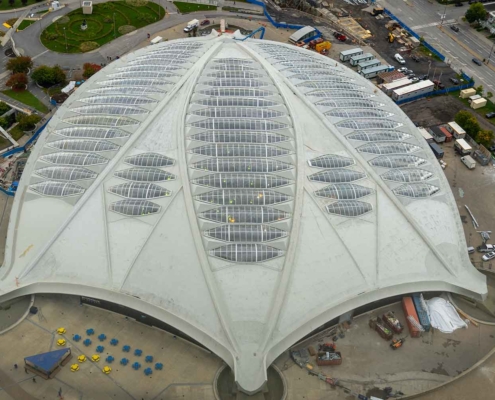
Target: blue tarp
47	362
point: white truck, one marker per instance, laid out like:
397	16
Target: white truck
469	162
191	25
156	40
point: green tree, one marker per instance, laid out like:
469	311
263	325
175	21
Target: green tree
24	2
28	122
3	108
489	95
479	90
17	81
476	12
468	122
485	137
19	64
48	76
11	3
4	123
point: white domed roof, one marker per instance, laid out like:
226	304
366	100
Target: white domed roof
243	192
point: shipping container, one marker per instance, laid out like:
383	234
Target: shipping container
374	71
416	89
368	64
456	130
410	311
462	147
467	93
426	135
446	133
355	60
388	88
424	320
437	150
478	103
347	54
469	162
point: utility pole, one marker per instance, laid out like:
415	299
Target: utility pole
65	34
491	50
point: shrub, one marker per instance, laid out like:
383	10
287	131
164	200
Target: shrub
4	123
19	64
88	46
90	69
51	36
48	76
124	29
485	137
468	122
18	81
3	108
28	122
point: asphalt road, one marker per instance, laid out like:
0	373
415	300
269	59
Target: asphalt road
425	18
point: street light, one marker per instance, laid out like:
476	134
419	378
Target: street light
491	50
443	16
65	34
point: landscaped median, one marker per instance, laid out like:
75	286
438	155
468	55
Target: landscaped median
108	21
185	8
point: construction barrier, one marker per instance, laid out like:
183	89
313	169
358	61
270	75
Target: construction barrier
272	21
437	92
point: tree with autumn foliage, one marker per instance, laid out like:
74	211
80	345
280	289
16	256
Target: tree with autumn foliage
19	64
18	81
90	69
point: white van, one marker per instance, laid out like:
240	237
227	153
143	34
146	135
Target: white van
399	58
469	162
191	25
156	40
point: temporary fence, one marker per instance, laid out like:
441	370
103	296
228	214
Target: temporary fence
272	21
412	33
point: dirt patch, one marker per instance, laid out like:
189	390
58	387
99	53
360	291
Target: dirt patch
439	370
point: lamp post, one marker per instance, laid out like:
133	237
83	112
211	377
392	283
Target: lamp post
114	31
65	34
443	16
429	66
491	50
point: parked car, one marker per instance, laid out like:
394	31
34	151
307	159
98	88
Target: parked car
414	79
399	58
490	115
439	84
454	81
488	256
486	248
205	22
459	4
491	148
477	61
415	58
340	36
409	72
423	77
402	69
455	28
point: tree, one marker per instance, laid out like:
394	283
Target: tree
90	69
17	81
485	137
479	90
4	123
28	122
489	95
3	108
19	64
476	12
468	122
24	2
11	3
48	76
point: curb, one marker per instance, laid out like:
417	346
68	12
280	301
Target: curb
24	316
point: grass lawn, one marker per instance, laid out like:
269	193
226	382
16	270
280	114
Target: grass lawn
4	5
100	25
28	98
4	143
16	133
24	24
426	52
481	111
185	8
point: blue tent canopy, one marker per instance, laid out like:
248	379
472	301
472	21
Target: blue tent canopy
47	362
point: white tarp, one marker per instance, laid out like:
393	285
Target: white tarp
69	87
443	315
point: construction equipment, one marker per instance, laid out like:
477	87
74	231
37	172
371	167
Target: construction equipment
391	37
323	47
396	343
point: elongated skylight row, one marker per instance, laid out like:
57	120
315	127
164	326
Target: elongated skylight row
57	189
245	215
145	175
92	132
239	137
246	253
63	173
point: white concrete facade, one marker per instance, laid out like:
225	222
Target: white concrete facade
243	192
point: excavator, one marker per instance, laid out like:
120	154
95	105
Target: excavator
391	37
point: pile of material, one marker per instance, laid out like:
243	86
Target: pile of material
443	315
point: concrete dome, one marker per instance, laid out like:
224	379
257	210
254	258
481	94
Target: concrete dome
244	192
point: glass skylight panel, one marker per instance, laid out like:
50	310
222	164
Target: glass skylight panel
248	197
245	215
232	61
92	132
243	181
300	66
145	175
57	189
139	190
149	62
239	137
248	83
351	103
116	99
337	175
237	112
144	74
165	57
236	92
66	173
397	161
331	161
349	113
369	124
101	120
239	150
135	82
407	175
339	94
135	208
315	77
65	158
239	124
416	190
235	102
149	160
330	84
133	90
232	68
378	136
83	145
245	233
246	253
241	165
235	74
349	208
152	68
388	148
110	110
344	191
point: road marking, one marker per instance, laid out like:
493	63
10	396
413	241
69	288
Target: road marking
35	57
